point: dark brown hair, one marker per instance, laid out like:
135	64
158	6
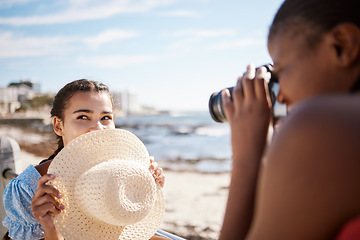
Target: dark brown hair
320	15
6	236
63	96
313	18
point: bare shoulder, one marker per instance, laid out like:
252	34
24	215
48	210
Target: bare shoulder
329	110
331	119
309	185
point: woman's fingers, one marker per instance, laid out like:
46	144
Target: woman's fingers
157	172
44	179
159	176
153	166
42	210
44	200
160	180
45	188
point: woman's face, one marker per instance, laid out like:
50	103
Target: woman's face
85	112
303	72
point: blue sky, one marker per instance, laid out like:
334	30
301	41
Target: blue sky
172	53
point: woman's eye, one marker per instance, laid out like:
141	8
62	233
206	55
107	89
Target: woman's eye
107	118
82	117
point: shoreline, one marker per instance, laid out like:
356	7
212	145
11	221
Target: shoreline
41	141
194	201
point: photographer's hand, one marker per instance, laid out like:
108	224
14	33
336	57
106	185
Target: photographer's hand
249	117
248	114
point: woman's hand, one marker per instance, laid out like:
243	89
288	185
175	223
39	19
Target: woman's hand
157	172
44	204
248	114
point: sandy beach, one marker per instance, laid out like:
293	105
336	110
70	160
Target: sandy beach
195	202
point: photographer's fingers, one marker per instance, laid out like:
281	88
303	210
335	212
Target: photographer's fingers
248	83
228	104
244	88
260	90
238	93
261	84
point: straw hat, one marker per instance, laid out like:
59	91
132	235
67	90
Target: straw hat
107	189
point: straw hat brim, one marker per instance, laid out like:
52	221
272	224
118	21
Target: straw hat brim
77	157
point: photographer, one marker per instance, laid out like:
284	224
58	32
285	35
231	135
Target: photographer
304	185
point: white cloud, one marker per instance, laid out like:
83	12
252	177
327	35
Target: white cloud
12	46
81	10
110	35
116	61
15	45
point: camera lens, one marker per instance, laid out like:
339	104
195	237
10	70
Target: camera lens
216	107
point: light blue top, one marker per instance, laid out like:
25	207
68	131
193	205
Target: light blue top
17	202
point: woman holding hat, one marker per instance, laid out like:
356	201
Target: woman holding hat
305	184
79	108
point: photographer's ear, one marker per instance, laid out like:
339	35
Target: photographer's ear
345	39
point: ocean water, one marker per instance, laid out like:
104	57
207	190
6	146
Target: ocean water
186	141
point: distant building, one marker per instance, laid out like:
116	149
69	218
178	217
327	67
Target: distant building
35	87
8	101
127	102
15	94
26	89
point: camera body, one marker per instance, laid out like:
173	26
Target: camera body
216	106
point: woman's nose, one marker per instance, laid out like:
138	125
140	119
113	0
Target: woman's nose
97	126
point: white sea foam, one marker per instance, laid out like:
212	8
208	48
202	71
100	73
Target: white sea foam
183	141
213	130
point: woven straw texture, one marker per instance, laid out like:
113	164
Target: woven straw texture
94	173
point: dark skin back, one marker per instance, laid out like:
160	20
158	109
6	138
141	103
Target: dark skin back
304	185
311	194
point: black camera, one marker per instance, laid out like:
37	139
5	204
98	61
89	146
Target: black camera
216	107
